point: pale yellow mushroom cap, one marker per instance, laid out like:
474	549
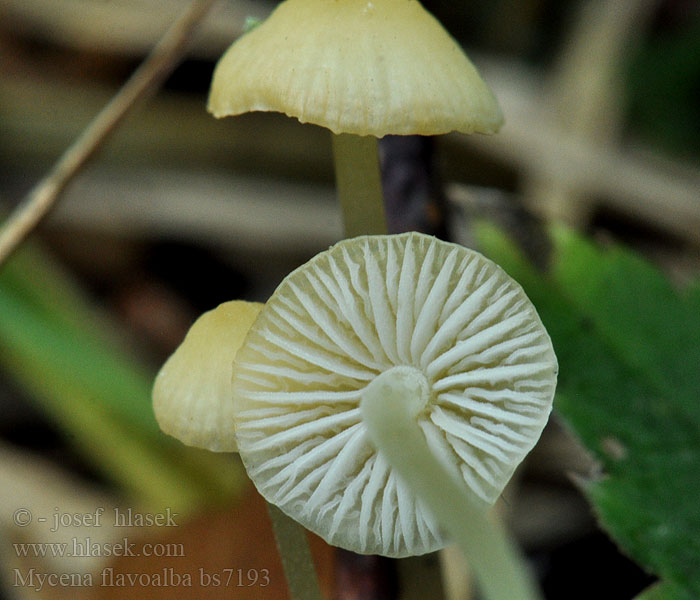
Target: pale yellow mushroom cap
192	392
441	317
355	66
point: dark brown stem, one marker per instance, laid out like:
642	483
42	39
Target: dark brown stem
360	577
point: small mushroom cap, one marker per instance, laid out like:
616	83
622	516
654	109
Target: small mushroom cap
192	391
443	316
368	67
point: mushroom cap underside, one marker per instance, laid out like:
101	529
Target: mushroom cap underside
364	307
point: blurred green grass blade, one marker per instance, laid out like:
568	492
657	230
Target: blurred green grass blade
42	285
67	354
124	458
628	391
67	332
61	352
51	364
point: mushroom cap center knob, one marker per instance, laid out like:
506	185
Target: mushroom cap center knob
407	383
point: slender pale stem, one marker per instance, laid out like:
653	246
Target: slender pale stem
293	546
145	80
359	184
389	405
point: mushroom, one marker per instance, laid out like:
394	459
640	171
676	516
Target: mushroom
380	376
192	391
383	340
363	69
366	67
192	402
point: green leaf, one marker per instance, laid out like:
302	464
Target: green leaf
628	346
664	591
637	311
692	295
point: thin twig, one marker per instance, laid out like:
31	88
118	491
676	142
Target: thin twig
144	81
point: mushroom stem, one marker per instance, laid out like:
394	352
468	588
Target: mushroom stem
293	546
390	405
359	184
